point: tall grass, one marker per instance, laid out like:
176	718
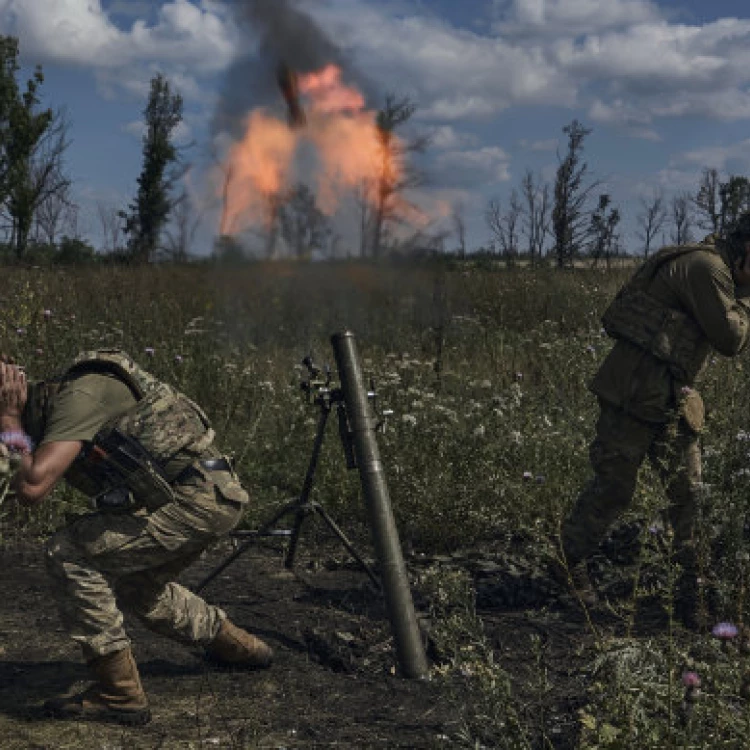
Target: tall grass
486	374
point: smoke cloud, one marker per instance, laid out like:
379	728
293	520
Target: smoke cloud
275	31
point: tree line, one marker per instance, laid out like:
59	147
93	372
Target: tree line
38	216
572	218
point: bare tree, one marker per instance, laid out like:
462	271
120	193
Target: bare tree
459	226
651	219
224	228
180	232
111	226
505	226
708	201
603	237
304	227
682	219
37	176
395	175
536	214
362	198
54	215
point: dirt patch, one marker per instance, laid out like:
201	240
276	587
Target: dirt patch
332	684
334	681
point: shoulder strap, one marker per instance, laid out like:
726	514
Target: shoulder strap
667	254
115	362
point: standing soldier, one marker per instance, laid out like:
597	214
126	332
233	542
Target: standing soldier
144	453
680	304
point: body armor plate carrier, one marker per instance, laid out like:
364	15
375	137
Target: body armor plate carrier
136	456
670	335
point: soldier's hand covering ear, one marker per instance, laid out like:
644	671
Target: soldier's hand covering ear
13	390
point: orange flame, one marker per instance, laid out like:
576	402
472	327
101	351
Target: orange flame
352	153
328	93
256	170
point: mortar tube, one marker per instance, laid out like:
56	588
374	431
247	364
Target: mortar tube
399	604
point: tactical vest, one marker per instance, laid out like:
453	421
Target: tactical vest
143	450
670	335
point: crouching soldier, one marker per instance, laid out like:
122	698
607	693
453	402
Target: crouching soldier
680	305
163	493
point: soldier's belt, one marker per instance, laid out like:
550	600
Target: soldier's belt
209	464
215	464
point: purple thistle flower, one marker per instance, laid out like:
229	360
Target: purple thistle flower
691	680
725	631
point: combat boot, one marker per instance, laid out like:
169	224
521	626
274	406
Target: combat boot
116	695
234	646
576	577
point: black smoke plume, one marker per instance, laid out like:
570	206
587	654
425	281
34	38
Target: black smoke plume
275	32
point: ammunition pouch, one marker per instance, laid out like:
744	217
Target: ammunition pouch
129	477
669	335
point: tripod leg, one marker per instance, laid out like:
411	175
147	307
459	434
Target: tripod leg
225	564
351	549
294	539
300	504
222	566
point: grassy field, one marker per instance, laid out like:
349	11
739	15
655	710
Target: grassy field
486	372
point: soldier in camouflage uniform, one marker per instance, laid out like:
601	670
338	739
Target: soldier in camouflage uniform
144	452
680	305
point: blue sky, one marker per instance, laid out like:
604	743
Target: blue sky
663	84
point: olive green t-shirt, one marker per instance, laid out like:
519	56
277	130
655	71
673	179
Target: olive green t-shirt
83	404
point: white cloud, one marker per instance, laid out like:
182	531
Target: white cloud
471	168
447	137
724	158
453	73
624	115
625	60
570	17
187	40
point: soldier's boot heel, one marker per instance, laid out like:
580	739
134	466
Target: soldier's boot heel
116	695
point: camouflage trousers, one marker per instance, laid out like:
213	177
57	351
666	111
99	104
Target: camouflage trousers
621	445
107	562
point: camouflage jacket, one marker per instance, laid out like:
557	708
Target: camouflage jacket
686	306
